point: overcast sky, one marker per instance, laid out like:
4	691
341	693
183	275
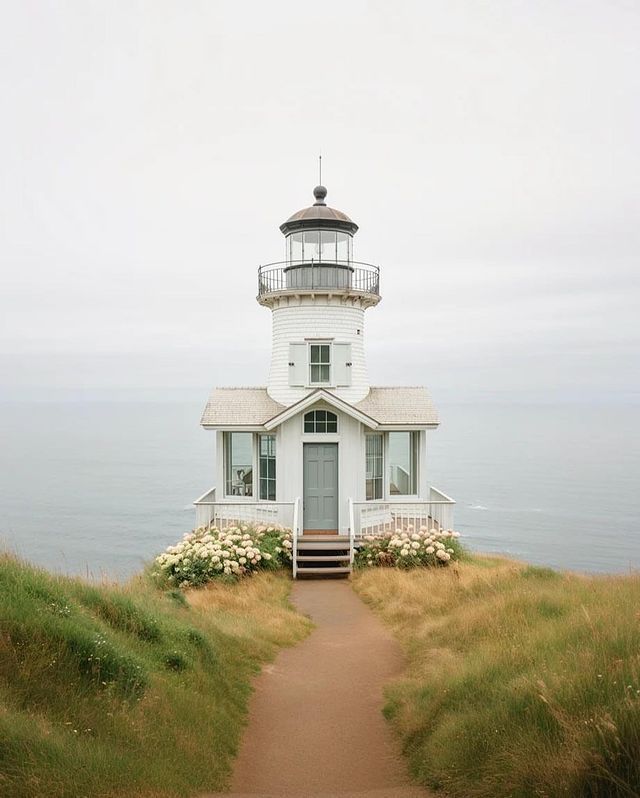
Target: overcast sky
489	152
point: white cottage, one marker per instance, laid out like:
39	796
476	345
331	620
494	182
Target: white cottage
319	449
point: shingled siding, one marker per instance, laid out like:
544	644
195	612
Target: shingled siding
303	319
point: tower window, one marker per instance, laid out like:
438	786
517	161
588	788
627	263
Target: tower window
320	421
319	364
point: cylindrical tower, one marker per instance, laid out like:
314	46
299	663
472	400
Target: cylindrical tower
317	297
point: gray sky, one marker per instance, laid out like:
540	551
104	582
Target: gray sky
489	152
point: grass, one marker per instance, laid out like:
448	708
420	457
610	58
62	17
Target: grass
521	681
129	691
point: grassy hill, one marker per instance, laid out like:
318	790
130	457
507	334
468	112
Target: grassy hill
521	681
114	691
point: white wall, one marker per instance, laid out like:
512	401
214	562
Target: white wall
295	320
289	462
350	438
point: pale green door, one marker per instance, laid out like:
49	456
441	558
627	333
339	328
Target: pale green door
320	475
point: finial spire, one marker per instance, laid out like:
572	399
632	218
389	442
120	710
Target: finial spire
320	168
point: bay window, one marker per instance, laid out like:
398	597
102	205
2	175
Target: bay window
403	463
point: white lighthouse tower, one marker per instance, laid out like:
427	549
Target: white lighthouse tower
319	449
318	297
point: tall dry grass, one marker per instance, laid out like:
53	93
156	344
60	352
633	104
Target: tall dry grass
128	691
521	681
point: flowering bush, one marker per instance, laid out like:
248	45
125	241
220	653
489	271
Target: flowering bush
406	548
206	554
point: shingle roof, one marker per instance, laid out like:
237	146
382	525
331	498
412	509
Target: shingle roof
239	406
253	407
399	405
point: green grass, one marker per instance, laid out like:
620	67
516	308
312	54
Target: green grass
129	691
521	681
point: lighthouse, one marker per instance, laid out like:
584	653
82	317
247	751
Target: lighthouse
319	449
318	298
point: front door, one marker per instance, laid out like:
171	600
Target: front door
320	475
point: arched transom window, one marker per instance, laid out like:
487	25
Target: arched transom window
320	421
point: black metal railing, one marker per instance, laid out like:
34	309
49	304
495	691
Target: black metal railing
308	275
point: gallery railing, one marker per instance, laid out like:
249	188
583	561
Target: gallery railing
338	276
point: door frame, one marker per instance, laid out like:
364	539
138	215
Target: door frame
316	440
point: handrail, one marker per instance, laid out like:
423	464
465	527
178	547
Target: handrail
262	503
352	532
199	500
441	493
294	536
371	502
315	262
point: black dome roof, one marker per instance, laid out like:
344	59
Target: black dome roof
319	215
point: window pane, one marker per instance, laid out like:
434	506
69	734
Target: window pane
402	463
324	353
324	373
373	449
311	245
343	246
238	456
268	467
328	245
295	241
320	421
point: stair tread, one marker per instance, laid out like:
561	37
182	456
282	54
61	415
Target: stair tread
330	570
324	538
322	557
319	545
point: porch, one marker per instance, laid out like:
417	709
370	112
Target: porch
328	554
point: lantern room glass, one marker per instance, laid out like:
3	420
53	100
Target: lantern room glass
319	246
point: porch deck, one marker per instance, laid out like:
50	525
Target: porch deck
320	552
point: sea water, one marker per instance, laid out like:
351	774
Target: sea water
98	489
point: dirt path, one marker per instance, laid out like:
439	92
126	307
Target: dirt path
315	724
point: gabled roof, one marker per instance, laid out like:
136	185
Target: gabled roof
385	407
314	397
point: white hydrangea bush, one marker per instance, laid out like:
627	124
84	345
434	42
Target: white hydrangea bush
410	547
233	552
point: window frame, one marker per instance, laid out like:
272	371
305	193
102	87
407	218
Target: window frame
226	455
415	441
373	478
267	457
316	431
320	363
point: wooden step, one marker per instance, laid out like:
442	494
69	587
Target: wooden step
326	571
322	557
324	538
319	546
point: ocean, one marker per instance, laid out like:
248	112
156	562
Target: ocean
97	489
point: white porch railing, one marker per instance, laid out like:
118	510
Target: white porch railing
375	518
295	529
223	514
